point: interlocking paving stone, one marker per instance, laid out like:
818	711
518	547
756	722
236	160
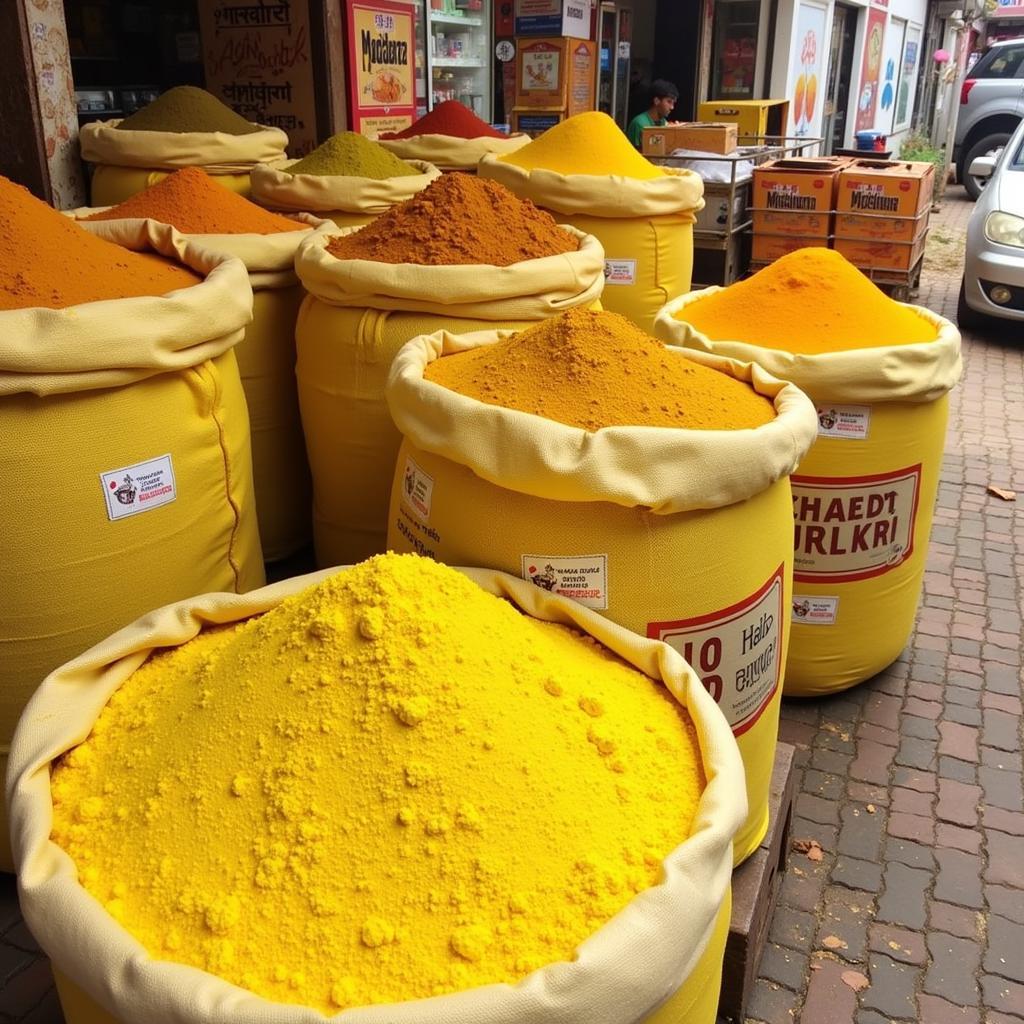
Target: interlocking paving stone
772	1004
934	1010
899	943
784	966
1005	860
903	901
893	987
828	996
1006	902
1000	994
951	973
1005	954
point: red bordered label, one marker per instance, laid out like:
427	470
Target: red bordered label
736	651
853	528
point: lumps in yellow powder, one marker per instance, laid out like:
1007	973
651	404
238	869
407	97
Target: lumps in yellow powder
588	143
391	786
597	369
810	301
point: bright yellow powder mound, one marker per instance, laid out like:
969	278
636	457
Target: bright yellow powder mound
810	301
597	369
590	143
391	786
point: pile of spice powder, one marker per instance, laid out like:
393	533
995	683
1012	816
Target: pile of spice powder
46	259
458	219
597	369
811	301
450	118
350	154
187	108
393	785
195	204
590	143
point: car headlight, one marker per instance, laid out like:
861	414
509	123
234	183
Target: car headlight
1005	228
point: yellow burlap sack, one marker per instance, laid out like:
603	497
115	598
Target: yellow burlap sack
125	473
658	960
680	535
349	201
266	361
451	153
357	316
862	498
130	161
646	228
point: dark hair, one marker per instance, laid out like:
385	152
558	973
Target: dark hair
660	88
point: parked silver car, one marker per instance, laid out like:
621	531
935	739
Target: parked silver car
991	107
993	282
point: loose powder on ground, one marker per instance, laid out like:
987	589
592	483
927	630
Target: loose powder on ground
393	785
810	301
450	118
187	108
458	219
590	143
47	260
195	204
597	369
350	154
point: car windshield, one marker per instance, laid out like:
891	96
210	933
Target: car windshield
1016	162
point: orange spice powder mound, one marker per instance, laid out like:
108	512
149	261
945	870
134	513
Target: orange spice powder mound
48	260
458	219
597	369
195	204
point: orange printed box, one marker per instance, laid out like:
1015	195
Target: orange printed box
767	248
871	227
886	188
879	255
795	196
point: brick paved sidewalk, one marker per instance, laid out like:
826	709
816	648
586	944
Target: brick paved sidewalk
911	782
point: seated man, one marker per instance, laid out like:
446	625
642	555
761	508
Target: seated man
663	100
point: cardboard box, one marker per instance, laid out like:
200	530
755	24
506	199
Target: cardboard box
767	248
795	196
885	229
885	188
698	135
877	255
754	118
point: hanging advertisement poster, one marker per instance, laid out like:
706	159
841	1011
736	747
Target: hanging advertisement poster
870	69
381	66
808	68
892	58
908	77
541	73
256	59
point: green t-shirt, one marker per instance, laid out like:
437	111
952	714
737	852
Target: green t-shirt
636	127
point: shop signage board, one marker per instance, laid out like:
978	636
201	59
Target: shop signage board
541	79
871	67
553	18
807	77
256	58
381	56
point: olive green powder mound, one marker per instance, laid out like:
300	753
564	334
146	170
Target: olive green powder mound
352	155
186	108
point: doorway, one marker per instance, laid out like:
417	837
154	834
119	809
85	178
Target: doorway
840	73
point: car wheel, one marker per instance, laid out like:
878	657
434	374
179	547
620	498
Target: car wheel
968	319
987	146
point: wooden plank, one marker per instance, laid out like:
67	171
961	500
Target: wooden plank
755	892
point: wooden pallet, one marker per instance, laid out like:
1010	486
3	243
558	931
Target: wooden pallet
755	891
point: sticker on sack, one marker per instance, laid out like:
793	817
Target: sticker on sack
584	578
815	611
417	489
849	422
737	652
853	528
138	488
620	271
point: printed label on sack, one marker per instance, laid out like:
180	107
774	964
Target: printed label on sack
584	578
417	489
815	611
133	489
849	422
620	271
853	528
737	652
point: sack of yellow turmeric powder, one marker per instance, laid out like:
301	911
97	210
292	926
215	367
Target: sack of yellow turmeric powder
675	532
358	315
266	361
126	479
348	200
129	161
864	494
451	153
658	960
588	174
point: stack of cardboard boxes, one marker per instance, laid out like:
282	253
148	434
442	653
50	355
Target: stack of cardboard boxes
875	212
